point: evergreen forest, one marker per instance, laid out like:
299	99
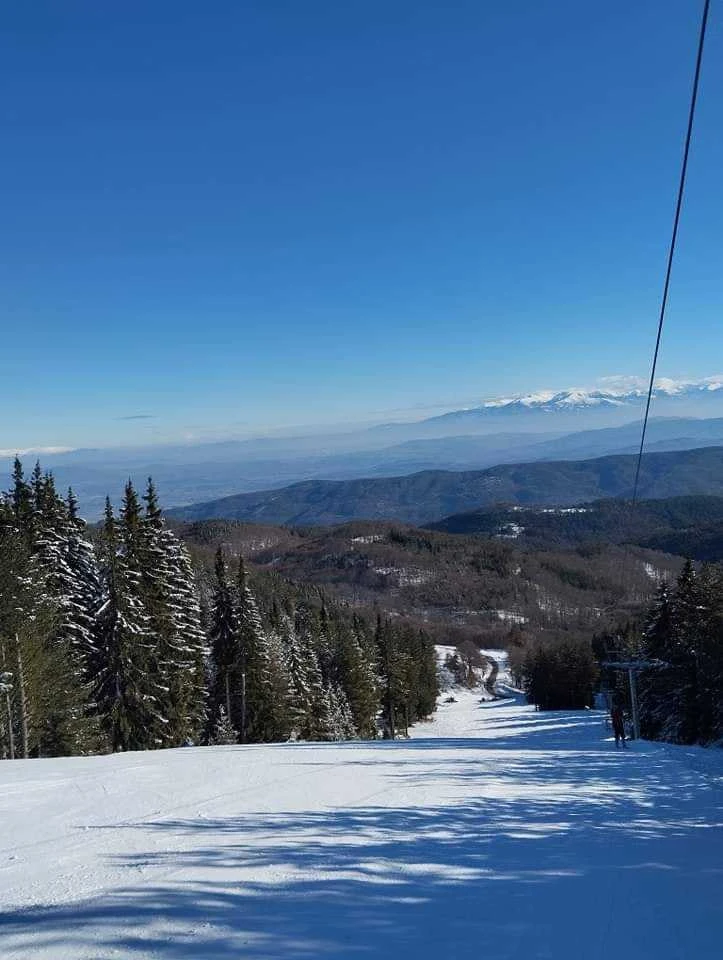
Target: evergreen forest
113	639
678	651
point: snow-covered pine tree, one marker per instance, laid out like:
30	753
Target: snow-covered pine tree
319	719
681	695
223	732
127	694
280	687
85	588
225	669
72	579
342	722
709	656
225	673
56	627
318	722
299	697
189	697
681	721
324	645
161	570
171	600
657	686
14	561
358	677
258	721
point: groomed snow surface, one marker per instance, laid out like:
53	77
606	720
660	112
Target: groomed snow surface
495	832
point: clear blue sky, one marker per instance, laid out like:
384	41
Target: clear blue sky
237	215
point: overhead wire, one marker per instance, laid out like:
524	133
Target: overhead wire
674	237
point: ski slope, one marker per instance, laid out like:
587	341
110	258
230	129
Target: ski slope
495	832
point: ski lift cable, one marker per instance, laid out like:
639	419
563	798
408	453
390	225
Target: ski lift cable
671	250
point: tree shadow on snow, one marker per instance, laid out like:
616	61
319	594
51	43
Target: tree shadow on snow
551	849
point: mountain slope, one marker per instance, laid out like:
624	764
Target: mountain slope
687	526
424	497
454	586
494	831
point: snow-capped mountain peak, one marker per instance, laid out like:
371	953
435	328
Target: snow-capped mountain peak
618	392
612	400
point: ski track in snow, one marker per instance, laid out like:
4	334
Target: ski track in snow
494	832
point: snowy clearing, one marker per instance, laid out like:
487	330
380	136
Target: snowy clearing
494	832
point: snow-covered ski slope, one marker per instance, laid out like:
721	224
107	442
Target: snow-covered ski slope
495	832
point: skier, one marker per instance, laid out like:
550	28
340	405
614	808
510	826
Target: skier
616	715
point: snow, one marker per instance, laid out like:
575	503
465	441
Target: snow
510	616
510	531
405	577
503	664
528	400
653	572
494	831
618	392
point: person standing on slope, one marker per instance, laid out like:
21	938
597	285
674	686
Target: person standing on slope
616	715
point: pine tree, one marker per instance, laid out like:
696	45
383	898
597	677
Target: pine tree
7	732
226	680
682	722
258	720
72	579
392	668
127	694
224	733
26	651
56	630
104	648
280	688
324	646
358	677
319	719
560	674
21	495
317	724
709	656
167	592
681	692
657	685
426	687
298	689
188	680
341	726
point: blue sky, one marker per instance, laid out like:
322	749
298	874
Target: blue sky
235	216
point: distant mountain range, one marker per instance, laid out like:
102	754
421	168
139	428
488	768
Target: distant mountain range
429	495
194	473
597	407
548	425
626	395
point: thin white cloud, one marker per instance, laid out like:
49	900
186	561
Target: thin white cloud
14	451
670	384
621	382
